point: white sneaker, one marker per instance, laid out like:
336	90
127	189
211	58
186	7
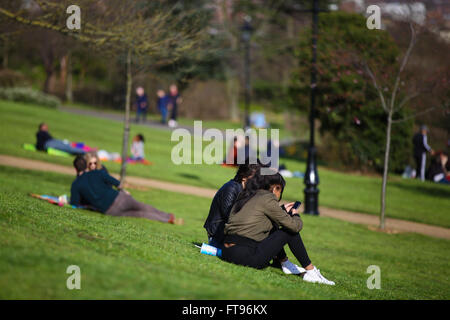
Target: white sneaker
291	268
315	276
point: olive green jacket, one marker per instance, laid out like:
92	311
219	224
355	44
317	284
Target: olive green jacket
255	219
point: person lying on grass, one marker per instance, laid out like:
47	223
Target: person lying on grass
44	140
258	229
94	188
223	201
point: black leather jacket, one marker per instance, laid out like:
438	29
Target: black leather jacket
220	209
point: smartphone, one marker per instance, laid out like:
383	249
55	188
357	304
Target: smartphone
295	206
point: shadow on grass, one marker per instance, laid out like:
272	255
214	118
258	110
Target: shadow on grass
427	188
189	176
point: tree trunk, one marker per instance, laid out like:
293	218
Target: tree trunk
126	131
385	169
68	88
48	80
5	52
63	72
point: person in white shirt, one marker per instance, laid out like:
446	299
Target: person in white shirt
137	148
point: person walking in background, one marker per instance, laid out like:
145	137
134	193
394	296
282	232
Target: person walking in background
174	101
141	104
137	148
421	148
162	102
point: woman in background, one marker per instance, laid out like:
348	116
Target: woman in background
137	148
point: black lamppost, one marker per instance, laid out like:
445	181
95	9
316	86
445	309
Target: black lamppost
246	35
311	175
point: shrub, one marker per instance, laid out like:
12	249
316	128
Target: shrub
28	95
10	78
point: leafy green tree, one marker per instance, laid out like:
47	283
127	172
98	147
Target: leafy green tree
349	105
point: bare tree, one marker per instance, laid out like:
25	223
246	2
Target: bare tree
390	105
132	32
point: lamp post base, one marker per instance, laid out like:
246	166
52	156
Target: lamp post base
311	182
311	200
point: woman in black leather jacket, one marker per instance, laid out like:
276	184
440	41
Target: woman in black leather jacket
223	201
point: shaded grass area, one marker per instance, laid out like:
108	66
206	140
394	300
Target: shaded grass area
129	258
406	199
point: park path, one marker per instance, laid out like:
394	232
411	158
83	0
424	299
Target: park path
116	116
392	225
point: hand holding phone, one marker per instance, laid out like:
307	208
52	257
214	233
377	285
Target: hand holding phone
295	207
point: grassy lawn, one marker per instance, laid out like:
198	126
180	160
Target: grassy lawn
406	199
275	120
129	258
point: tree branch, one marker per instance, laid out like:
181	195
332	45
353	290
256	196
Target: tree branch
375	84
412	42
420	113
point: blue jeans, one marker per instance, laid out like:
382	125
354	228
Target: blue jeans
59	145
163	115
141	113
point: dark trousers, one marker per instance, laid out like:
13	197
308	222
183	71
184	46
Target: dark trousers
126	205
141	113
259	255
420	165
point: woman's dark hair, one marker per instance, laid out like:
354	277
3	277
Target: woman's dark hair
141	137
246	170
258	182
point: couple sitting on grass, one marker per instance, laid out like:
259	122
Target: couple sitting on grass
246	221
93	188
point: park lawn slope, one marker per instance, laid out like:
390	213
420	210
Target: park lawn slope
406	199
130	258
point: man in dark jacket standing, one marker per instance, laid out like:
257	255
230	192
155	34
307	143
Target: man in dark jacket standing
421	148
223	201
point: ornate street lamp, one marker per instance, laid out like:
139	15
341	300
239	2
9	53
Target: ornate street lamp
246	36
311	179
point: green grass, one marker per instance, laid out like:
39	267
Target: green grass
406	199
129	258
275	120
